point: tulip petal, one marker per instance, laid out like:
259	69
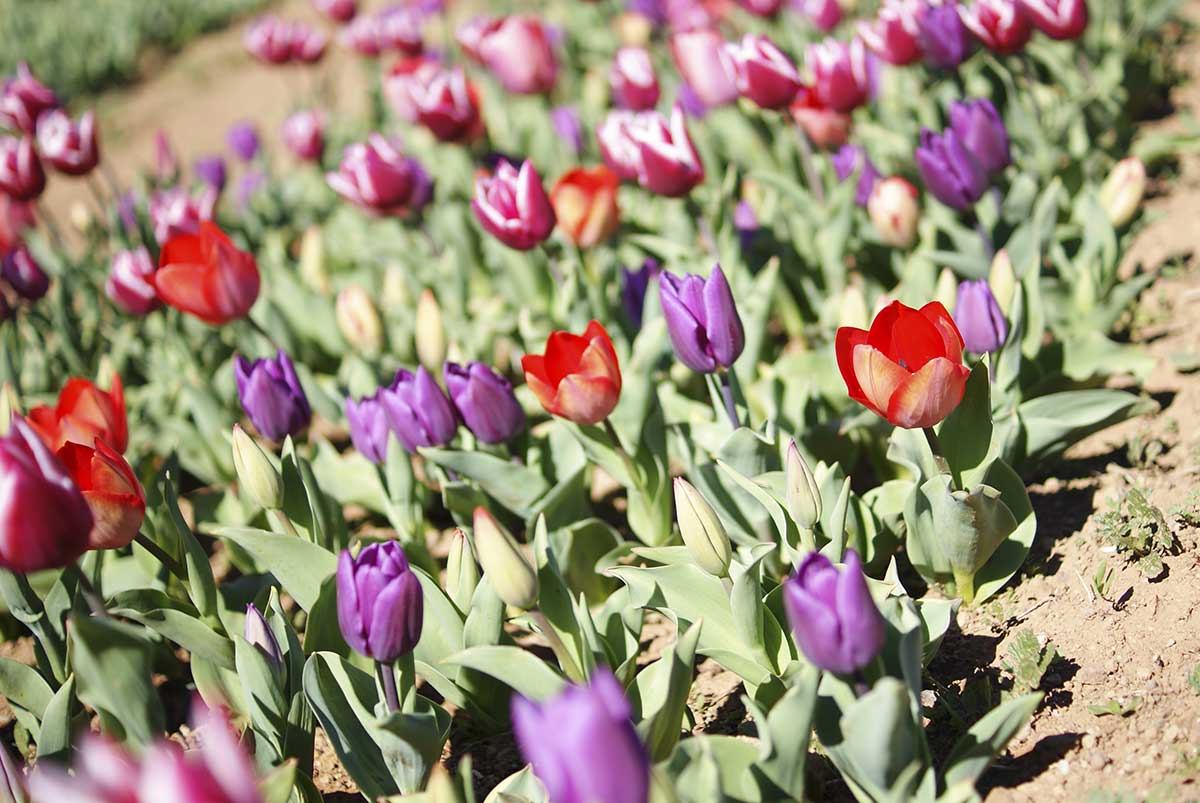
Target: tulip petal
536	376
929	395
847	339
585	400
879	377
861	624
907	336
726	337
943	322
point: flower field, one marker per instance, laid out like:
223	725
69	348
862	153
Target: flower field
591	402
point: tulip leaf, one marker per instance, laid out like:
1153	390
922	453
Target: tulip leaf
113	664
218	686
986	739
521	671
300	566
1009	556
265	698
785	733
54	736
202	586
175	621
514	486
966	434
714	768
321	630
663	712
520	787
1056	421
24	688
442	626
349	478
880	749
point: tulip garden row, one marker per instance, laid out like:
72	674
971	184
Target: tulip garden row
750	318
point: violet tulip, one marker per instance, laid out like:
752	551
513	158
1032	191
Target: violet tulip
23	99
979	317
569	127
425	92
69	147
702	320
513	206
272	396
12	777
304	134
418	412
515	49
1058	19
698	57
852	160
745	221
949	169
978	125
631	76
943	37
894	35
211	171
369	428
243	140
166	163
485	401
24	274
378	178
841	74
258	634
1001	25
44	519
762	72
21	175
634	284
380	605
825	15
582	745
833	617
660	155
128	285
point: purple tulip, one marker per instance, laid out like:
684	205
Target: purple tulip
950	171
69	147
513	206
652	10
852	159
484	400
21	175
377	177
248	186
24	275
979	318
272	396
127	211
631	76
258	634
569	127
978	125
128	284
211	171
634	284
745	220
379	602
242	139
702	320
943	36
23	99
582	744
836	623
690	102
369	427
418	412
762	72
12	778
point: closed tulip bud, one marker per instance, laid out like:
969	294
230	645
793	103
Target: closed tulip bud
312	260
943	37
256	474
979	318
631	76
337	10
1121	194
24	274
418	412
569	127
430	331
1003	280
358	320
112	491
852	307
378	178
634	29
10	404
516	50
585	203
425	92
1058	19
702	320
129	285
308	45
895	33
304	134
763	73
803	496
21	175
380	604
634	284
513	206
504	564
578	377
895	211
369	427
272	396
945	292
950	170
166	163
462	574
258	634
80	217
485	401
69	147
833	617
243	140
852	160
702	530
207	276
395	293
981	130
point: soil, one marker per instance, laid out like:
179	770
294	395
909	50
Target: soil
1134	646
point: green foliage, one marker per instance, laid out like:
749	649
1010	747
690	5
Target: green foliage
1140	531
1028	661
1117	708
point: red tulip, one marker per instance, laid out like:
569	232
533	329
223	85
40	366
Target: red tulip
824	126
585	202
206	275
908	368
578	377
84	413
111	489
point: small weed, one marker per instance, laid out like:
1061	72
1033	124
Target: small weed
1116	708
1102	580
1194	679
1139	530
1143	452
1028	661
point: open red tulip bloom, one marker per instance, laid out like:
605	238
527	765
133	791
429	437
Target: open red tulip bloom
111	489
83	413
908	368
578	377
206	275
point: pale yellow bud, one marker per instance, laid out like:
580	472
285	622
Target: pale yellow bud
946	290
702	531
803	495
430	334
1002	279
504	564
853	308
462	575
312	260
895	211
358	320
257	476
1122	192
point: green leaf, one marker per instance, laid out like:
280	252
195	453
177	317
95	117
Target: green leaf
301	567
786	733
519	670
202	586
113	665
986	739
515	486
966	434
1056	421
54	736
175	621
322	633
520	787
24	688
880	742
662	721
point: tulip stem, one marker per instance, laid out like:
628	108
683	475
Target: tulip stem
173	566
556	644
285	523
90	595
730	402
630	466
808	163
55	232
258	327
387	674
989	247
939	457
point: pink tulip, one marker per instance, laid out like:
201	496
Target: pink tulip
1001	25
824	14
174	211
21	175
308	45
304	134
894	36
763	73
515	49
377	177
269	39
824	126
129	284
1058	19
697	56
69	147
44	519
762	8
634	84
425	92
513	206
644	146
15	217
337	10
841	74
23	99
400	29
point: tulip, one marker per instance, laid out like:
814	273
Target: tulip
943	37
631	76
364	35
358	320
44	518
634	284
462	573
337	10
424	92
243	140
69	147
23	99
12	778
166	164
745	221
578	377
908	367
257	477
834	620
762	72
112	491
1122	191
379	602
21	175
852	307
1001	25
485	401
949	169
24	275
841	74
504	565
430	335
982	132
248	186
211	171
130	285
207	276
979	318
174	213
702	530
400	29
1058	19
895	211
895	35
802	494
1002	280
269	40
377	177
304	134
513	206
851	160
825	15
762	8
258	634
83	414
702	320
308	45
825	127
369	428
569	127
585	203
582	744
660	156
272	396
418	412
698	57
15	218
945	292
514	49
